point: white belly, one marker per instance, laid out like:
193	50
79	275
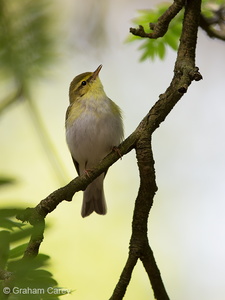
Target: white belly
91	137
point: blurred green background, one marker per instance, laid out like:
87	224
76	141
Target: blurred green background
186	225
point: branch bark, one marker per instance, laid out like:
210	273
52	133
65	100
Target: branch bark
184	73
160	28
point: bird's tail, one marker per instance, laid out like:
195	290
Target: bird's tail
94	198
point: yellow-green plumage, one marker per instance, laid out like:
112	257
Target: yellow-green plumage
93	127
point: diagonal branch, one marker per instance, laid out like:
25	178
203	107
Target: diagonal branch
206	25
185	72
35	216
161	26
47	205
9	100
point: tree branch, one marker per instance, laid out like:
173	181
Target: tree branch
35	216
206	25
125	277
161	26
47	205
184	73
139	239
4	275
15	97
37	237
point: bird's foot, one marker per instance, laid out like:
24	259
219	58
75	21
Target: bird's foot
87	172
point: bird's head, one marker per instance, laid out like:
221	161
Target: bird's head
86	84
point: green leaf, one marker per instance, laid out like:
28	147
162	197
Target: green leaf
41	260
4	247
28	274
148	50
31	277
17	251
171	40
21	234
161	50
27	265
9	212
152	48
27	45
8	224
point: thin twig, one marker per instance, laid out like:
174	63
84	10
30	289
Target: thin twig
206	25
55	161
11	99
161	26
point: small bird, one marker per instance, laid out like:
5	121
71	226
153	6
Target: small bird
93	128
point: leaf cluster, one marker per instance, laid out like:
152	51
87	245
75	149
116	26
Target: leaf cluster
152	48
26	42
18	272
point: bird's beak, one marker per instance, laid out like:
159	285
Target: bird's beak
96	72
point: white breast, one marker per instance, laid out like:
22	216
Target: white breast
93	135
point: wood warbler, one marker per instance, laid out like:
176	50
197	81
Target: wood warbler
93	127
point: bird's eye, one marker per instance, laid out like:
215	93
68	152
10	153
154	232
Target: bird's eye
84	82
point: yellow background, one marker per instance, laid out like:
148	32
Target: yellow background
186	224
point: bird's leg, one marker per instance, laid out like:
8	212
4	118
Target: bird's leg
86	170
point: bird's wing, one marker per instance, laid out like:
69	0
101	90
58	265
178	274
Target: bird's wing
76	165
68	111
